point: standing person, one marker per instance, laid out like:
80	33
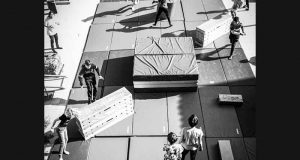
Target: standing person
247	5
52	6
62	131
237	4
173	150
162	7
234	35
191	138
51	25
88	73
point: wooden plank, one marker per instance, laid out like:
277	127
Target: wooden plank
225	150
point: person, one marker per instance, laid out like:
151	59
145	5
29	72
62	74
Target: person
51	25
61	130
246	5
237	4
234	35
87	73
52	6
173	150
162	7
191	138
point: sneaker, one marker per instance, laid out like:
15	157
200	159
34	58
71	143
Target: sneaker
154	24
170	25
132	8
54	51
66	152
230	57
60	158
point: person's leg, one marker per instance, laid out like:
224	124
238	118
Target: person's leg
232	49
193	154
157	15
184	153
66	140
167	15
94	89
61	136
89	91
56	41
52	43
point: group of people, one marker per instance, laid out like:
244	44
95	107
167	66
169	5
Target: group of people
190	141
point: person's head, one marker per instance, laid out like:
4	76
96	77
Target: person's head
87	63
68	112
172	138
50	14
236	19
193	120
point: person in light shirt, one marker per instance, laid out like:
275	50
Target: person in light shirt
191	138
51	24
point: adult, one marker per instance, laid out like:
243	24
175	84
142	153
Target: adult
87	73
235	31
162	7
52	6
191	138
51	25
247	5
61	130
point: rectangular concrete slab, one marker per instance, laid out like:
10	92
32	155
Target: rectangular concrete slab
99	39
237	146
213	8
78	97
247	111
106	12
146	11
219	120
108	148
176	13
193	10
190	30
181	105
237	70
250	144
119	68
145	29
210	67
97	58
123	37
150	116
177	30
78	150
147	148
125	13
224	42
123	128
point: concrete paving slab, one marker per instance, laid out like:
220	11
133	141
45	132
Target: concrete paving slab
193	10
99	39
219	120
237	70
210	68
150	107
177	30
123	37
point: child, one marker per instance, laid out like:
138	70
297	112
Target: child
162	7
173	151
191	138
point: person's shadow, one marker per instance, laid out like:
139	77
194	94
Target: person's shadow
208	55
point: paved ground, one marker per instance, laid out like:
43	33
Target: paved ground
72	36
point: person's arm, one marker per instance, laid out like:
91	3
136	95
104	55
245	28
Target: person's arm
80	77
98	72
242	27
200	140
54	122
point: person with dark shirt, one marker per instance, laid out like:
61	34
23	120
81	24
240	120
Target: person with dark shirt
87	73
162	7
61	130
234	35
